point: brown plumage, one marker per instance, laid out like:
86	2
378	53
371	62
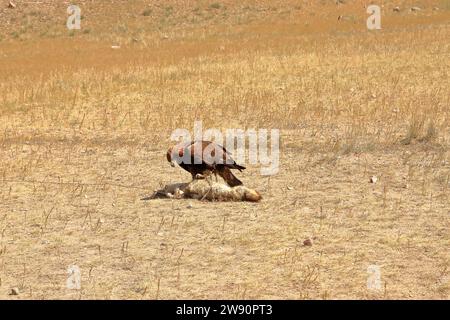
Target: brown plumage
204	158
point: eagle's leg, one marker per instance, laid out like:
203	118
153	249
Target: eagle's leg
209	180
211	175
208	176
215	172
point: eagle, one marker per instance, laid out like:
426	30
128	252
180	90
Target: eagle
202	158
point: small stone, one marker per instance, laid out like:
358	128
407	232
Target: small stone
115	47
373	179
14	291
290	188
190	206
307	242
415	9
396	9
11	5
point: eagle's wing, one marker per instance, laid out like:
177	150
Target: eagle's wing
225	150
196	150
214	153
211	153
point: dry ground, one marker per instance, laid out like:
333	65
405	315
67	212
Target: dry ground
84	129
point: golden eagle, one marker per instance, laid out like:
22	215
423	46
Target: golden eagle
201	158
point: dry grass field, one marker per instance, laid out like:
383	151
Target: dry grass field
86	117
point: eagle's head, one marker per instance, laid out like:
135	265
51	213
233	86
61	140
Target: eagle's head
170	155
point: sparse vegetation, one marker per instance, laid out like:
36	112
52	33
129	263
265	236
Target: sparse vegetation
147	12
215	5
85	122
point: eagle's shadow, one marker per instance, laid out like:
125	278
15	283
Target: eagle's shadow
204	189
